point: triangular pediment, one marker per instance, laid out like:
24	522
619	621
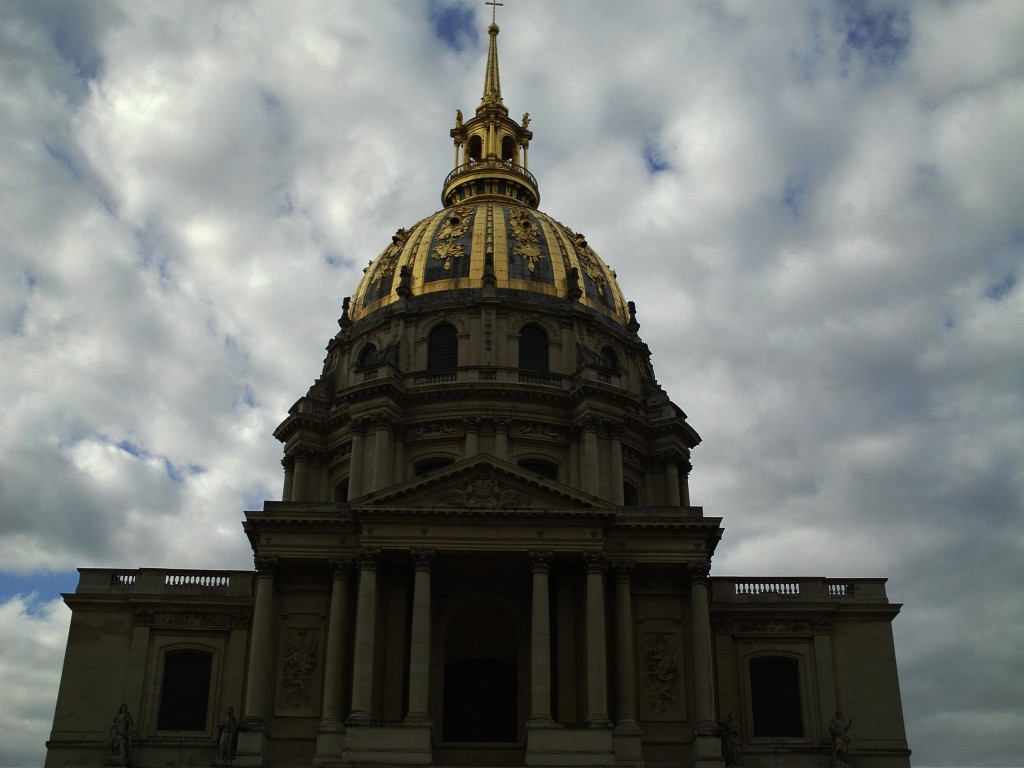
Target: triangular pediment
481	482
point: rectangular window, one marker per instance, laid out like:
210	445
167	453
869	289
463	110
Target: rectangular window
775	697
185	694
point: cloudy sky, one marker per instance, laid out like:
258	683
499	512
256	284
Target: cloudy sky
818	208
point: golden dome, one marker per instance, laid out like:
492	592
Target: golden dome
451	250
490	235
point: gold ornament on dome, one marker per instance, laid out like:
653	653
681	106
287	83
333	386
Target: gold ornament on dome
527	237
388	260
450	232
588	259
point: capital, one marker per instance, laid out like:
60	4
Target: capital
594	561
423	558
540	560
266	566
368	558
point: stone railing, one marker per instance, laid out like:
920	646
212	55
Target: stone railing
159	581
730	589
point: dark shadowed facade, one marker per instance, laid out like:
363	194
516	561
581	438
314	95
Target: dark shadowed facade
485	552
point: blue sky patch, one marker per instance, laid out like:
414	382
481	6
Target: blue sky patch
454	25
877	33
654	158
46	585
794	195
1000	288
176	472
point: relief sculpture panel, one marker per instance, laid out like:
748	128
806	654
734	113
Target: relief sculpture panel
299	675
661	677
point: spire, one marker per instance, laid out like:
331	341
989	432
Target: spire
491	149
492	80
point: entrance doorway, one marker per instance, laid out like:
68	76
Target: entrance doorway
480	700
481	676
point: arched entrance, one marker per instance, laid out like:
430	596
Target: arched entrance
481	675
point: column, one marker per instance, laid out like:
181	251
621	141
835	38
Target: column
382	452
591	469
597	683
540	640
419	645
687	467
472	427
355	462
288	462
334	663
366	619
615	431
707	747
299	478
501	439
671	479
259	645
625	647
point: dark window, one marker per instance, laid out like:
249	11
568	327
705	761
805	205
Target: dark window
609	360
533	348
775	697
508	149
185	694
475	148
341	491
368	356
630	496
542	468
442	347
427	466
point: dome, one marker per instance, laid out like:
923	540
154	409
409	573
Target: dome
451	250
490	236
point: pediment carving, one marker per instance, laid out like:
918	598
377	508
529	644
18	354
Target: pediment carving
480	484
483	492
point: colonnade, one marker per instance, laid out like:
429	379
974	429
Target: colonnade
364	647
588	463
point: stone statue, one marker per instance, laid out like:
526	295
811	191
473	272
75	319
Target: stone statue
572	284
458	118
526	120
121	736
404	288
840	740
732	741
226	729
345	320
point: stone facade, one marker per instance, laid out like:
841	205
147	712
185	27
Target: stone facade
485	552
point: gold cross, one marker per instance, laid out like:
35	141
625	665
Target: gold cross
494	9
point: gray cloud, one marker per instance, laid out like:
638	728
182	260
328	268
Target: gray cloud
815	207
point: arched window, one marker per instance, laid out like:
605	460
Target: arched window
609	360
476	148
533	348
185	694
540	467
775	697
442	347
508	149
368	356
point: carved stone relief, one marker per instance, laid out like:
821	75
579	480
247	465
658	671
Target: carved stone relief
301	655
483	492
661	673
